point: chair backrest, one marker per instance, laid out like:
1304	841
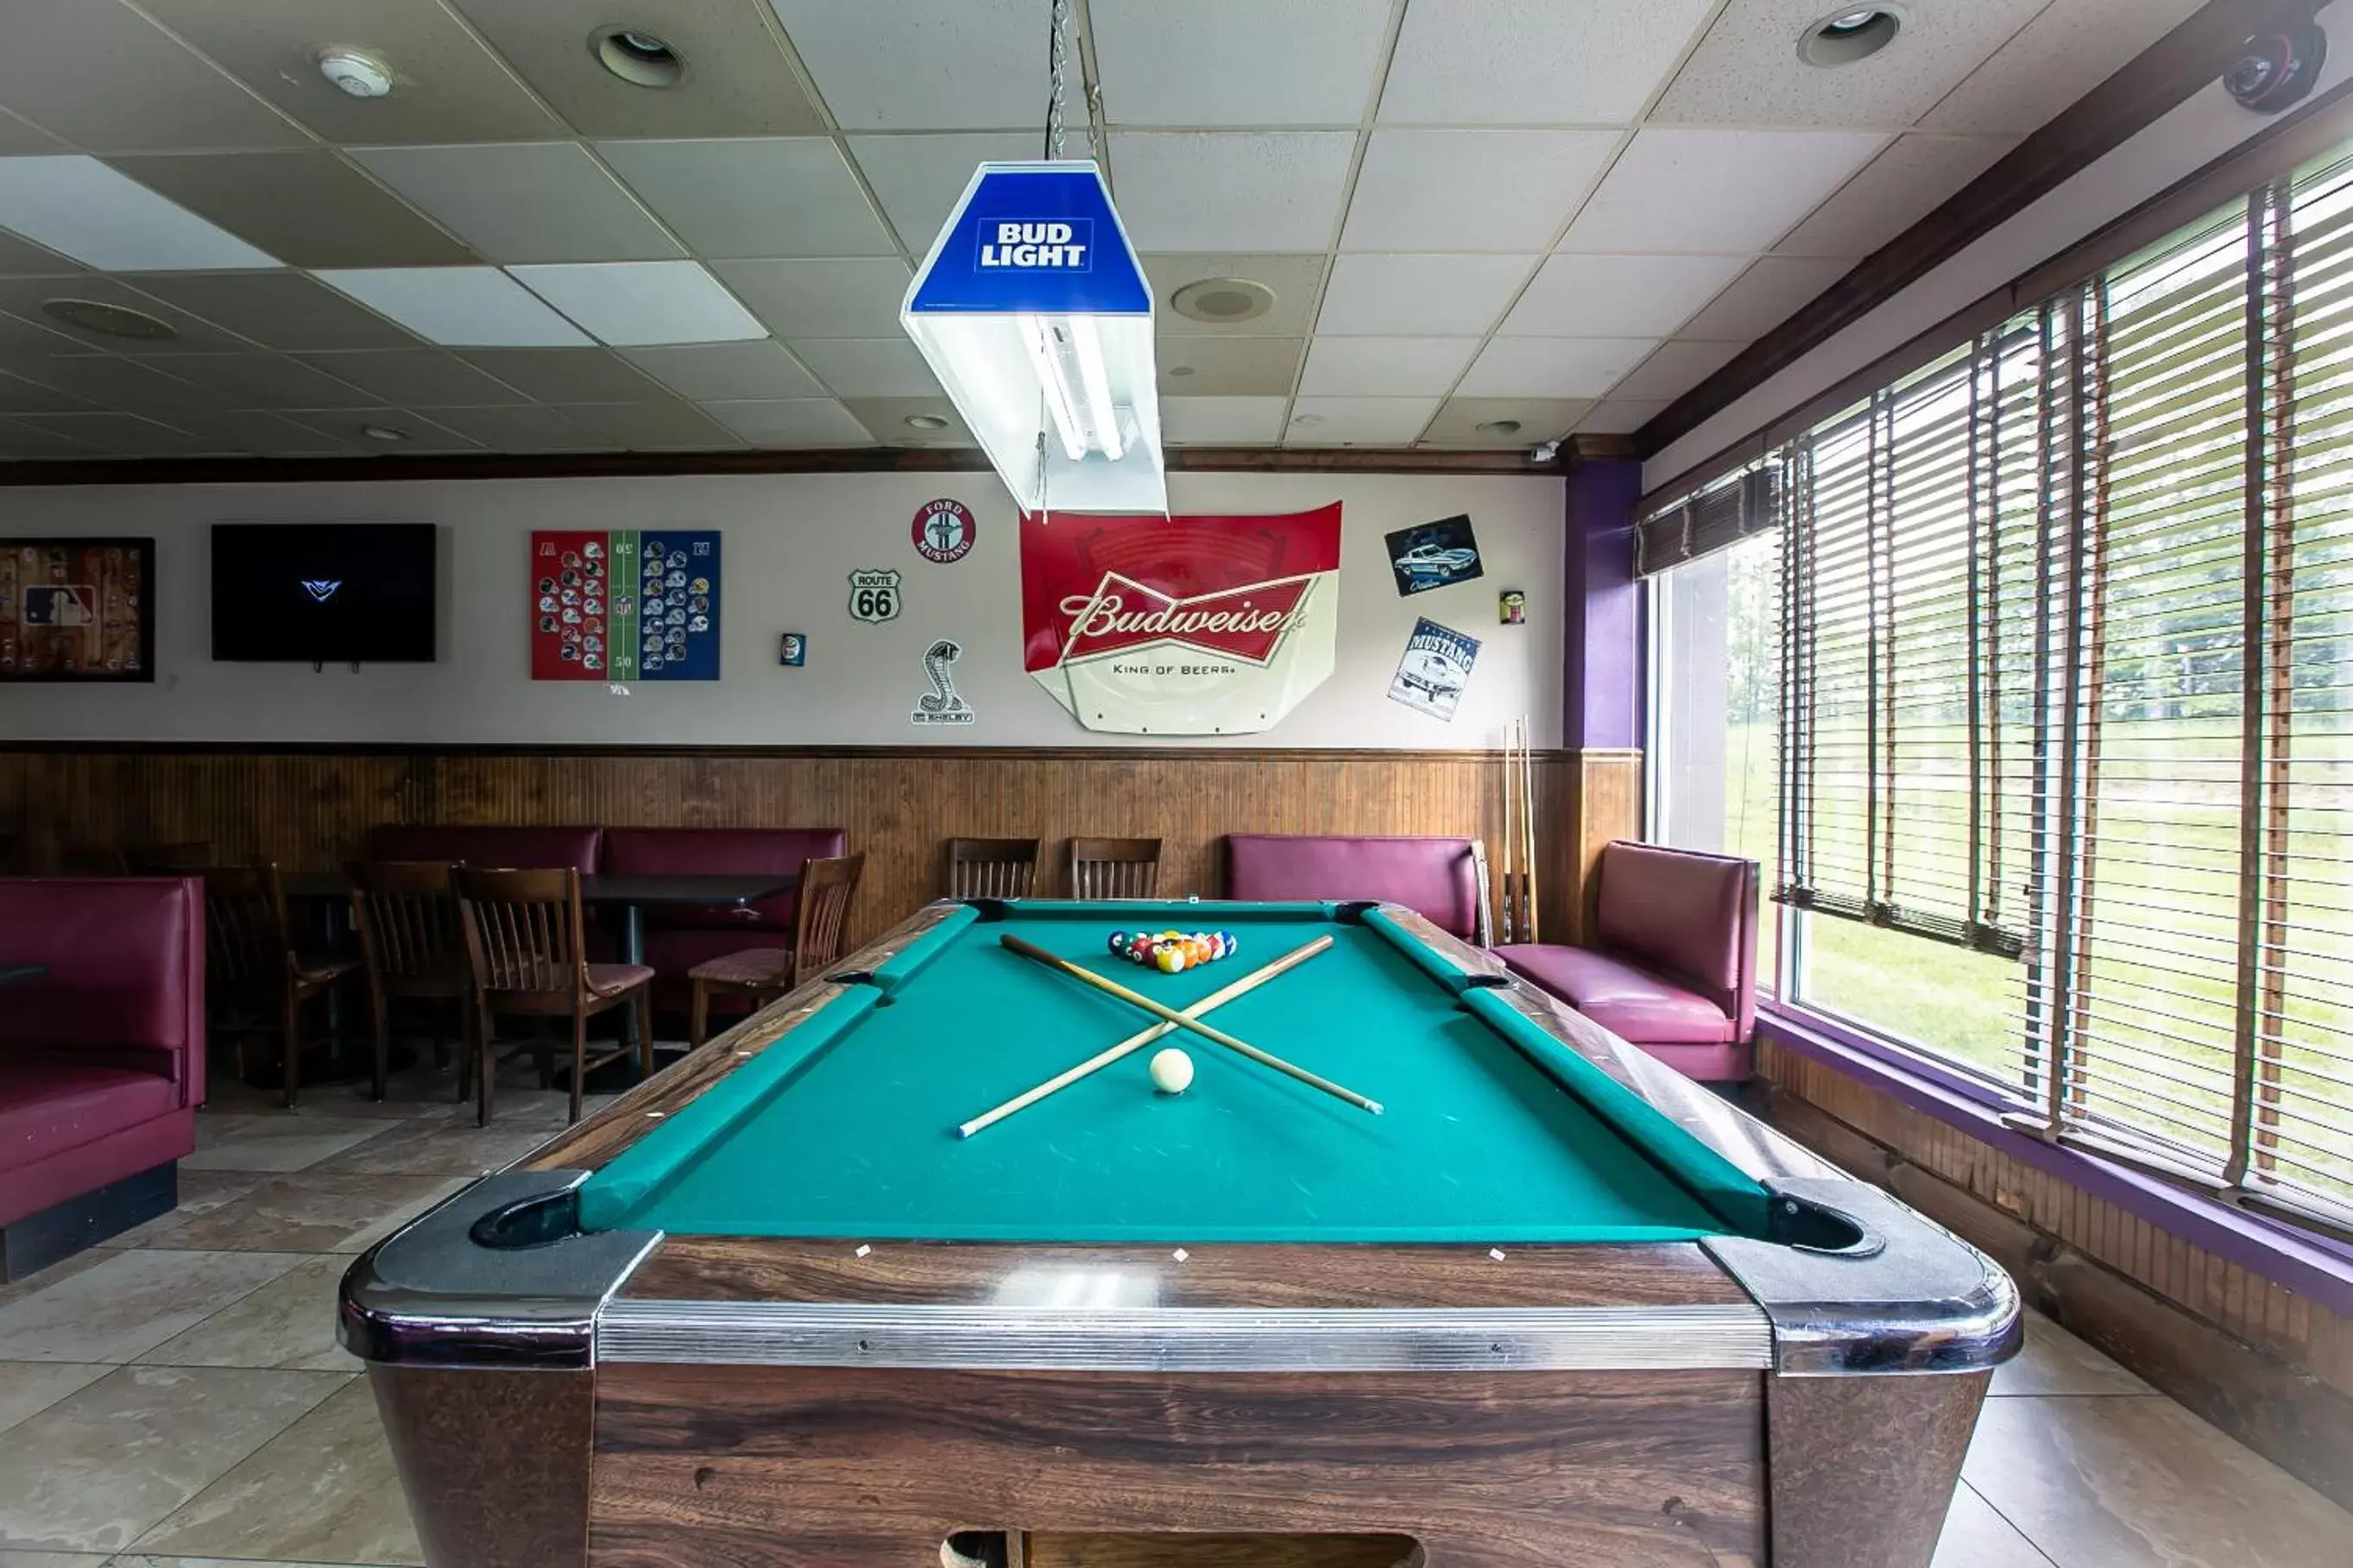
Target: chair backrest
827	887
195	855
1689	916
524	930
992	867
406	912
1115	867
249	944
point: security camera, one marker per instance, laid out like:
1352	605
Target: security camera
2276	70
1544	452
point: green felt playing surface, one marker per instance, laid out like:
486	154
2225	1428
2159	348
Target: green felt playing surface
1494	1132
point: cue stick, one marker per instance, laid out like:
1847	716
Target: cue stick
1134	1043
1170	1015
1511	925
1528	825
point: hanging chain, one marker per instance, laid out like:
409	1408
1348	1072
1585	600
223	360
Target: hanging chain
1058	49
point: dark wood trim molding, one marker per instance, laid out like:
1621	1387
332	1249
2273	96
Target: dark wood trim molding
2188	59
846	460
781	753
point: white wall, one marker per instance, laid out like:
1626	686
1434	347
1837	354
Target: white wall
2170	149
789	544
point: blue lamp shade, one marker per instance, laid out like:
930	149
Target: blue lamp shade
1033	311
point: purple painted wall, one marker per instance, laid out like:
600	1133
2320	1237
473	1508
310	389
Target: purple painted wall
1602	696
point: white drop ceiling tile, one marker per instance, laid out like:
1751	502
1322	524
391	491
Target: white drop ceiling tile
17	135
1357	421
918	179
1228	367
535	200
277	310
634	303
350	427
2053	61
103	216
868	367
265	435
415	378
1675	369
1293	278
1237	62
1616	417
18	396
768	195
20	440
822	296
568	375
887	418
1764	296
1194	190
1552	367
447	87
935	65
125	386
1222	421
158	94
1534	62
1893	191
1619	296
1729	192
1747	71
464	307
728	373
521	428
1383	367
666	427
23	258
308	208
1390	295
791	421
21	337
33	330
263	380
1539	419
127	435
1470	190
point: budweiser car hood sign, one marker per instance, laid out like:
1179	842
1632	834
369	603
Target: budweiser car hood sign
1180	626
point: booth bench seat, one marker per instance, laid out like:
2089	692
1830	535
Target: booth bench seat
102	1058
1673	967
1445	879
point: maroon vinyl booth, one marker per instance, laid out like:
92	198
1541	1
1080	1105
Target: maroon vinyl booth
102	1058
1443	879
1673	967
678	939
488	847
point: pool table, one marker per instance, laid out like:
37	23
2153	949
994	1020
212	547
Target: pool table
1553	1305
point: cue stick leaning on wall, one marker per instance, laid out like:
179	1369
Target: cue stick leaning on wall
1134	1043
1528	832
1264	1058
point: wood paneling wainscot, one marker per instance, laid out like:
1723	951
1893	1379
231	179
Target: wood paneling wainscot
311	808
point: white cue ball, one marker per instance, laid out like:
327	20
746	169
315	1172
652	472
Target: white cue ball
1172	1071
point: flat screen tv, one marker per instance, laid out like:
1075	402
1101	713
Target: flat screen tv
343	593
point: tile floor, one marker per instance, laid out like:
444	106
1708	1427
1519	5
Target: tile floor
176	1399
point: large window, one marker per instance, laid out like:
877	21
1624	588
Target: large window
2056	780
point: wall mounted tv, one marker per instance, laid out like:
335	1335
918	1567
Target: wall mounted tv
343	593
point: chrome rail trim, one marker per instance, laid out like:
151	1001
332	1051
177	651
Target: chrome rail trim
1202	1339
1921	1302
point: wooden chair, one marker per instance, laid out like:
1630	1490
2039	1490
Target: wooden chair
195	856
250	963
766	974
405	914
1115	867
992	867
526	952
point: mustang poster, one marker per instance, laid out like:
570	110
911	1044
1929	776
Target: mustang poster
625	605
1180	626
1435	669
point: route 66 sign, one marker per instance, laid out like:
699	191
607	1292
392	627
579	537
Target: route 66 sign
875	595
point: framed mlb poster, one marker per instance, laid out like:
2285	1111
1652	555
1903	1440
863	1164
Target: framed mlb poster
625	605
77	610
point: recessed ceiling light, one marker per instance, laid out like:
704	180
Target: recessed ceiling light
360	72
925	422
384	433
636	56
1843	37
1499	427
1222	302
114	321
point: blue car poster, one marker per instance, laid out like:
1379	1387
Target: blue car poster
1433	554
625	605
